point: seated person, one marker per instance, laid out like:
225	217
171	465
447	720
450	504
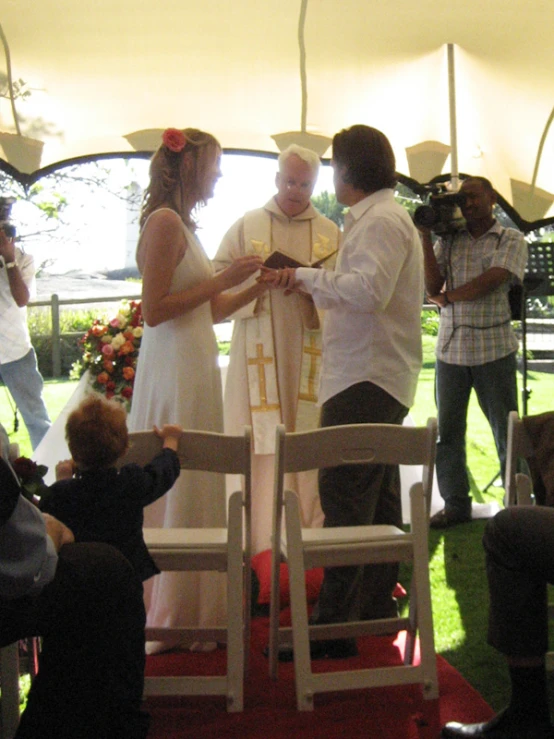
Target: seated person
86	603
519	546
97	501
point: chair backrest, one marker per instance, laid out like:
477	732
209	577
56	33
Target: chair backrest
519	446
200	450
332	446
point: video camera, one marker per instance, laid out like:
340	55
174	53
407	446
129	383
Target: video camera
441	213
5	210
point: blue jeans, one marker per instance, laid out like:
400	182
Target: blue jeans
25	383
496	389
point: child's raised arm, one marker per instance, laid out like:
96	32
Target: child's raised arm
170	433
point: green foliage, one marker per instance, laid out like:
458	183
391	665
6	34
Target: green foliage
430	322
405	197
327	204
73	325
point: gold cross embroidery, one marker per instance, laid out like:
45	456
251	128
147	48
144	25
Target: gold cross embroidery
261	248
314	352
260	361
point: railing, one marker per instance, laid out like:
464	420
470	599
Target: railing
55	303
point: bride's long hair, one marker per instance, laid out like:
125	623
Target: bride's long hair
178	178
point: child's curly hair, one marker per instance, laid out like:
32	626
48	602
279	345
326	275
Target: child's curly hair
96	432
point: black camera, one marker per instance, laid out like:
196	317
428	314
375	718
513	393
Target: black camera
441	213
5	210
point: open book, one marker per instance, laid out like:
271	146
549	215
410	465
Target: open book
280	260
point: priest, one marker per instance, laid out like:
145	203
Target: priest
273	372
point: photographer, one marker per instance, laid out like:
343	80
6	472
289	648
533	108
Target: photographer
18	362
468	274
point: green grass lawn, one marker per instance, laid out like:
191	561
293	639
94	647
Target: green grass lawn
459	588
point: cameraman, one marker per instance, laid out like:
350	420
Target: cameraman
468	274
18	362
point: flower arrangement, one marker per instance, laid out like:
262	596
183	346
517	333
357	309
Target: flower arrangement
174	139
31	477
110	353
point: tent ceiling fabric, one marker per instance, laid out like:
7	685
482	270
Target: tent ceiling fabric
103	70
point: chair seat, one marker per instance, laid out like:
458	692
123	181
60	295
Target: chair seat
350	535
347	544
163	539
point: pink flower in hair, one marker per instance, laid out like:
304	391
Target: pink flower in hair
174	139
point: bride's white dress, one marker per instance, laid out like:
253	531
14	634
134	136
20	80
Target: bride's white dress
178	381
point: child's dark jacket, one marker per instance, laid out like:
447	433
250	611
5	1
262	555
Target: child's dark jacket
106	505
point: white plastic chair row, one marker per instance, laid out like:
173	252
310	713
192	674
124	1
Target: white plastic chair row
228	550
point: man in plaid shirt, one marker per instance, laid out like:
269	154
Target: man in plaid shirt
468	274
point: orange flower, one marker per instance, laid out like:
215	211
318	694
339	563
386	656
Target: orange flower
127	348
108	365
103	378
128	373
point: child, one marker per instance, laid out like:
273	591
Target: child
95	500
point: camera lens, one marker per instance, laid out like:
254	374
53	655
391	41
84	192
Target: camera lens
425	216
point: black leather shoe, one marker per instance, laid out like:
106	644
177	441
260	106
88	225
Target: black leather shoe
445	520
325	649
500	726
333	649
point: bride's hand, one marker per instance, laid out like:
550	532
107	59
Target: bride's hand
240	270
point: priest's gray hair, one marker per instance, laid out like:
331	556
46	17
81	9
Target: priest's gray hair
307	155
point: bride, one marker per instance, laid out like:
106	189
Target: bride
178	378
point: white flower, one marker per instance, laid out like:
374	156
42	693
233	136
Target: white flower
118	341
137	332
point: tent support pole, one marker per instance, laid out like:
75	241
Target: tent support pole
454	173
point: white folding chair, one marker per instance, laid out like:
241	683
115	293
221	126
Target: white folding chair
218	549
303	549
519	486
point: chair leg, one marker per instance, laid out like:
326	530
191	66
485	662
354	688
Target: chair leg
299	606
423	607
235	607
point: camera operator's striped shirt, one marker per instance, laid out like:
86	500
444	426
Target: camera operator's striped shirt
474	332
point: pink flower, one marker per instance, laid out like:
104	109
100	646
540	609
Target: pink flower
108	350
174	139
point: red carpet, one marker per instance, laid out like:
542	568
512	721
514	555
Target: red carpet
270	707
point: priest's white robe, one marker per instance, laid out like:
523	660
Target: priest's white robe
306	237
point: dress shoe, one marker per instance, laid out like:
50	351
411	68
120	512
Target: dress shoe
445	519
324	649
500	726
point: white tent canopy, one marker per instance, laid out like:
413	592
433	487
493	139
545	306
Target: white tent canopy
465	88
